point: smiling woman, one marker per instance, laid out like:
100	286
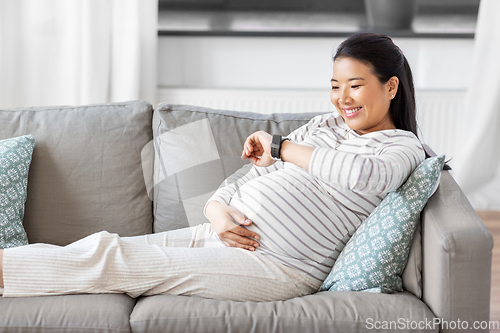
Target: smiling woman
347	163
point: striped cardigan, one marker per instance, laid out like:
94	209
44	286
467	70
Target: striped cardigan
305	218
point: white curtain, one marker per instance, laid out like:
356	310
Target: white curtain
74	52
478	162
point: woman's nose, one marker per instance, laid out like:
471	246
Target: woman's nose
344	97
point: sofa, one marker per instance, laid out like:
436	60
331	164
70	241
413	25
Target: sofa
96	168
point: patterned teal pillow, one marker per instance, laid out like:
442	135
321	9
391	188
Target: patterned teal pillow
376	255
15	160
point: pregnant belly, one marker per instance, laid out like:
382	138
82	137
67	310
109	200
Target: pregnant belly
286	216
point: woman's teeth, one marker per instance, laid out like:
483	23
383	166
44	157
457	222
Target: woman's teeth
352	110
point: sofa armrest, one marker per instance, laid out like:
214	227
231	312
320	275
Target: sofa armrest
456	257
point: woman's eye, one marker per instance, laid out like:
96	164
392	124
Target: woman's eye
335	88
355	86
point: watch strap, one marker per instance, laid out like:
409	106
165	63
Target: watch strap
276	147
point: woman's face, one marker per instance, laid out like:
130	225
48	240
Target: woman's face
360	98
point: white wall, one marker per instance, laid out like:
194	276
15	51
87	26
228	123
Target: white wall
295	62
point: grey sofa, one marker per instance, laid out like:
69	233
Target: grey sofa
93	169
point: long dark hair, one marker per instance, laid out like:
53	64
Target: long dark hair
386	60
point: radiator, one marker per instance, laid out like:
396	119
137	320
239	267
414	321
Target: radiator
440	114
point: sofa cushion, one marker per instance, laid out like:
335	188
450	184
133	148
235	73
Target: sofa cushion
376	255
328	311
69	313
86	171
15	160
197	148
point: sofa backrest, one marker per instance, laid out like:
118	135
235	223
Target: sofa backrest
86	173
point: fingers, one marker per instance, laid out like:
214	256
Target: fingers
242	231
241	237
229	224
233	240
257	149
245	232
250	149
253	145
247	147
256	156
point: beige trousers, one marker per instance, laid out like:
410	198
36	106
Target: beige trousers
190	261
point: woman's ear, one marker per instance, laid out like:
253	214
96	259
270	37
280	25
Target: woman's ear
393	85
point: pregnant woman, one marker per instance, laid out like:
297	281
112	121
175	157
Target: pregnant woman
276	225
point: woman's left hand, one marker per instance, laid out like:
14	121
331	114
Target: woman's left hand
257	148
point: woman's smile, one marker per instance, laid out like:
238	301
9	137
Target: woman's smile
352	112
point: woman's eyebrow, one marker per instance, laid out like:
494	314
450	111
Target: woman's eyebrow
351	79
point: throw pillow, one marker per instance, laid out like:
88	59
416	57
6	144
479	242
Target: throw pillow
15	160
376	255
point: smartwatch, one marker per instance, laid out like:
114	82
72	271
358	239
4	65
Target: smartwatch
276	147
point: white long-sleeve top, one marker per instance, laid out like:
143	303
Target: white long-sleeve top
305	218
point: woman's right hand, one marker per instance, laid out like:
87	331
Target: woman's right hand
226	222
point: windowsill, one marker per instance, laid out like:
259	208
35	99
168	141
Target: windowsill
305	24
